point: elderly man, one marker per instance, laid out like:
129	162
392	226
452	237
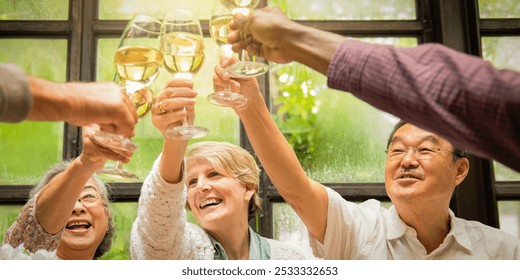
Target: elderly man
422	171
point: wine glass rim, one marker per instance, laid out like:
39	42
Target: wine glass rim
142	18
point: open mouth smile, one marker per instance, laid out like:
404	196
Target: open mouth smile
210	202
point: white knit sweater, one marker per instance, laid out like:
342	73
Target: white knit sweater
161	231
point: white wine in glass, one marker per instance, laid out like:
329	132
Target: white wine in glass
219	29
137	67
182	46
138	61
245	68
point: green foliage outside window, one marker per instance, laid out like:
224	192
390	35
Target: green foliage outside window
499	8
504	53
295	107
34	10
347	10
27	149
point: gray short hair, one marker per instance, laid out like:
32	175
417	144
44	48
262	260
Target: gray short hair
58	168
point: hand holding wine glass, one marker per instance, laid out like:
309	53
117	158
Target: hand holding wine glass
261	33
182	45
219	28
177	100
137	61
245	68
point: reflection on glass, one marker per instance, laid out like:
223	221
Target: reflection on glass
336	137
509	217
499	8
34	10
17	141
347	10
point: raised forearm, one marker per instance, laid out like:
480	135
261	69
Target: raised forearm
170	166
312	47
50	101
57	199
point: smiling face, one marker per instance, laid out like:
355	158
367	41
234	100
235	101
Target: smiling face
88	223
217	200
422	170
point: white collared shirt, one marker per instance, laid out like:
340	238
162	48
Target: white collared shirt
370	231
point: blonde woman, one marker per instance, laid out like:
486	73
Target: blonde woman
217	181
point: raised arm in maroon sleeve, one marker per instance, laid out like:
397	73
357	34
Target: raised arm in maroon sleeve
460	97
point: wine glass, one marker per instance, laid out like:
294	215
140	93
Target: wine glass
219	29
137	61
182	45
245	68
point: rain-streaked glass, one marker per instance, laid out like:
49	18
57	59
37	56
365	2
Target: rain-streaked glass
499	8
27	149
337	137
347	10
509	217
125	9
34	10
504	53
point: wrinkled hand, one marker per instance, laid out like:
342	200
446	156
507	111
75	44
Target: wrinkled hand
175	102
262	34
104	104
245	86
94	155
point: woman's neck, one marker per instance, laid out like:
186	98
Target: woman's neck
235	240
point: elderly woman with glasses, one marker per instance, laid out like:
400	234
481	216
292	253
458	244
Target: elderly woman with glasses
217	181
68	211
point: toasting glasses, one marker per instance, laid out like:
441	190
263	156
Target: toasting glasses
182	45
219	29
244	68
138	61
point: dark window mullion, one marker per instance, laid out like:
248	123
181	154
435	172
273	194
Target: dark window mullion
72	135
499	27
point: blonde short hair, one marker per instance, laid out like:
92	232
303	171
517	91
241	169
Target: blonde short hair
233	161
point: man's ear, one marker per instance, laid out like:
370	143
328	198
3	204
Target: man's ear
462	170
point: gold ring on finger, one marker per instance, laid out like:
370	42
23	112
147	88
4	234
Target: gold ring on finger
161	108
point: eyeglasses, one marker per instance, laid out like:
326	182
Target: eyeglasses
89	198
397	152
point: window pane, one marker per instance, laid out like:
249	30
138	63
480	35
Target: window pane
504	53
347	10
509	217
34	10
8	214
499	8
288	227
124	214
223	124
125	9
336	137
37	142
